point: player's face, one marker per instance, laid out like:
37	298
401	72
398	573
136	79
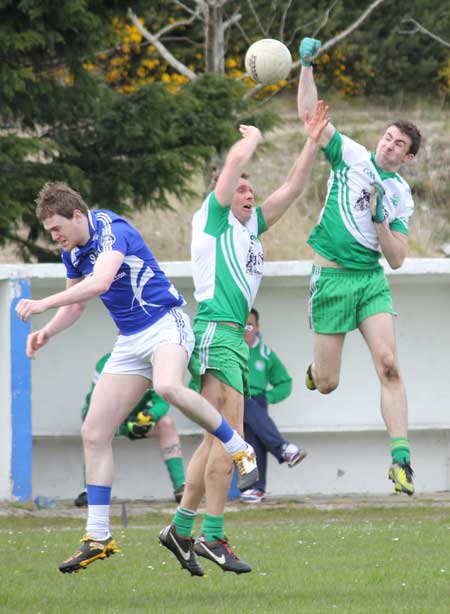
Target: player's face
251	330
67	233
243	199
392	149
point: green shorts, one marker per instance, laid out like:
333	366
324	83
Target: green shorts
340	299
221	349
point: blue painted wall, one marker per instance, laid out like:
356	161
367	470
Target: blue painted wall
21	461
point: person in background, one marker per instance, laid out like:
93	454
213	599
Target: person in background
148	418
269	383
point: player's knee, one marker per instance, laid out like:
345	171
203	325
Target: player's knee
219	468
166	424
388	367
327	384
93	437
168	391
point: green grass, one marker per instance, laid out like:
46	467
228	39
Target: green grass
304	560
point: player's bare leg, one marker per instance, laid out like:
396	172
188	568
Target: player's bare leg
325	369
379	334
168	383
112	400
212	543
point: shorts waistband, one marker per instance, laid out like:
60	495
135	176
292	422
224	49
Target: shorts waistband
341	272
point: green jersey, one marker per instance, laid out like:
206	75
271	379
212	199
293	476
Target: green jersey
153	403
267	374
345	232
227	262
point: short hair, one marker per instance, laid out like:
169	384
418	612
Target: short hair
56	198
255	313
215	176
411	130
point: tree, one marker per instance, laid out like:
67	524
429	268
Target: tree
60	121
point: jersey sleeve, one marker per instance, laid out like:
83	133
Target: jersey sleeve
334	150
216	215
279	379
114	236
262	227
401	222
71	271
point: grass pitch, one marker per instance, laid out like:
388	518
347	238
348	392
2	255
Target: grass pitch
360	559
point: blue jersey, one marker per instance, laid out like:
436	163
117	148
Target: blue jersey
140	293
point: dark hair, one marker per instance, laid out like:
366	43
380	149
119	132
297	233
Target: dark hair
58	199
255	313
411	130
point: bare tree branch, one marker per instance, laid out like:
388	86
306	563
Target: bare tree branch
325	18
255	15
354	26
198	12
176	24
235	18
418	27
283	19
165	53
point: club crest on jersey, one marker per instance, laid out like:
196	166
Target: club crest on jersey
107	241
363	201
259	365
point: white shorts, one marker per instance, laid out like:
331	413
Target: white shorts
133	354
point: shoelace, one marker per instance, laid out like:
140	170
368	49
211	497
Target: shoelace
227	547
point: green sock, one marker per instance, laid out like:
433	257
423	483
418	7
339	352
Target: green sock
400	451
184	521
176	471
212	527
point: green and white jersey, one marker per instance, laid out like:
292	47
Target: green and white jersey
345	232
227	262
267	374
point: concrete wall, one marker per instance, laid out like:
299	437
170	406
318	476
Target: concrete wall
343	432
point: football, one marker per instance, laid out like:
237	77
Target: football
268	61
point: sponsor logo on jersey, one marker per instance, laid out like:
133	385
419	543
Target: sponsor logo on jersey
369	172
394	200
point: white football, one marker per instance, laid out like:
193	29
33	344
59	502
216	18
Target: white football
268	61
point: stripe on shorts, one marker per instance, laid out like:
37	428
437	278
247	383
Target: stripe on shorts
181	325
313	289
205	342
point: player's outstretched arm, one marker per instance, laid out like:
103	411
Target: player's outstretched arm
235	162
307	90
278	202
99	282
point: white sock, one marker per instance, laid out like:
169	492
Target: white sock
235	444
98	521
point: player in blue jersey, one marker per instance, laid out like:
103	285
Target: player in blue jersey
105	256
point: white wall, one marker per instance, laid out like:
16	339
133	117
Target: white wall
343	432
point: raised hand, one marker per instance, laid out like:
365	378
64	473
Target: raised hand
248	132
308	49
314	126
